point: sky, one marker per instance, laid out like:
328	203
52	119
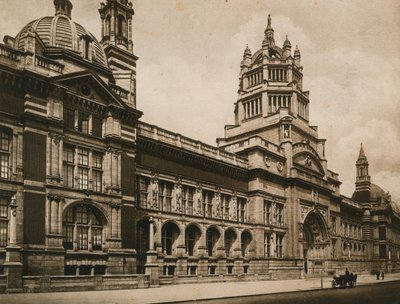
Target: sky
189	59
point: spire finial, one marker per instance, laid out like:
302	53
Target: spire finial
361	155
269	21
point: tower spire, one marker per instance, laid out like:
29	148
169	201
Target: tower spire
269	34
361	155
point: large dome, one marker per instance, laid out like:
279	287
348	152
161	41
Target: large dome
61	32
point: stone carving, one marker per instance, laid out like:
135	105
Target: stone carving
154	191
198	199
300	227
307	161
304	211
178	194
218	206
286	131
234	207
314	196
279	166
267	161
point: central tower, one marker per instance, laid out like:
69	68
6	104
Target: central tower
116	38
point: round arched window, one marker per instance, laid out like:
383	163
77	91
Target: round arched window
82	228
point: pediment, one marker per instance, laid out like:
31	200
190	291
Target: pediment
309	161
90	86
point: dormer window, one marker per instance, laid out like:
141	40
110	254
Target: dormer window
85	45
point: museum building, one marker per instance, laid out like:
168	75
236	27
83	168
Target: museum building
92	197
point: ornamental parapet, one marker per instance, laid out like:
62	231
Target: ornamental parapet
186	143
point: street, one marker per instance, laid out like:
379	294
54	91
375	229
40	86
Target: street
384	293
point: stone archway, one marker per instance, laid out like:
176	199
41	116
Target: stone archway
315	239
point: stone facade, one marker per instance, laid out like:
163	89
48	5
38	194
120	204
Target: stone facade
87	189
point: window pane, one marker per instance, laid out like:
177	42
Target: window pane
69	118
68	171
3	208
4	141
4	165
3	233
83	157
97	180
69	154
97	160
97	125
83	122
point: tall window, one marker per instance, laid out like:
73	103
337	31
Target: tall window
87	166
83	122
382	233
165	195
3	221
83	226
207	202
241	209
68	166
69	118
97	126
225	200
142	186
187	199
83	168
279	245
267	245
97	171
267	212
4	153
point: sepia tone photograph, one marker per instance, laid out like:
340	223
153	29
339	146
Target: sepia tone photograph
208	151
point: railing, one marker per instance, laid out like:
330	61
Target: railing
187	143
48	64
255	141
9	53
119	91
77	283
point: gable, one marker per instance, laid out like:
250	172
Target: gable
90	86
308	161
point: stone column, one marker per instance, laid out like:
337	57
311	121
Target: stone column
13	264
151	267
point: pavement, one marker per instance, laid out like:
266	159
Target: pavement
184	292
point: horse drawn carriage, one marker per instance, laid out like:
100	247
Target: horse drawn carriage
345	280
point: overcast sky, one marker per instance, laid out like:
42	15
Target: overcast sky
190	52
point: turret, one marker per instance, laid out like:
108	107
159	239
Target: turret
269	40
297	57
363	180
63	7
246	58
116	38
287	48
116	29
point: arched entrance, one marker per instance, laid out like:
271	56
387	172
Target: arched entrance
315	240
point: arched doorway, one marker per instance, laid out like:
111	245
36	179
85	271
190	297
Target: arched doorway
169	234
245	242
212	237
315	238
192	235
230	238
